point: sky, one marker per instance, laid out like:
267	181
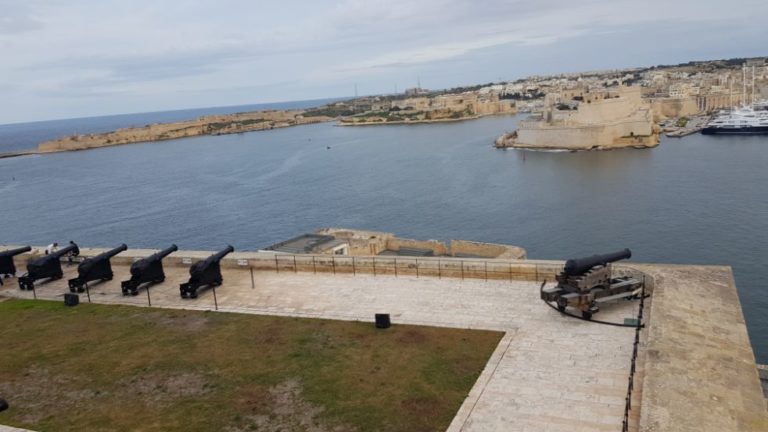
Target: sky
76	58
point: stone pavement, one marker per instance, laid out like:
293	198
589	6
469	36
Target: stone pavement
552	373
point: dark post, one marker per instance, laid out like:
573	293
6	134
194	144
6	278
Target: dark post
395	267
253	284
417	267
486	271
333	262
462	269
510	272
149	300
215	301
88	292
374	266
277	267
295	268
439	270
314	265
382	321
354	271
34	292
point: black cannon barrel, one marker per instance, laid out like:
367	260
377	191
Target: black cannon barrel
71	247
221	254
163	253
110	253
86	265
574	267
14	252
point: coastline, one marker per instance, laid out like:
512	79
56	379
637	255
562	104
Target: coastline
7	155
208	125
400	122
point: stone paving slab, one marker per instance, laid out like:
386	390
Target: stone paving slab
550	373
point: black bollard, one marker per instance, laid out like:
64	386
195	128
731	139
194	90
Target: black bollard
71	299
382	321
3	405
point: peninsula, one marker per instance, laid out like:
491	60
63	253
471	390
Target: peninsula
206	125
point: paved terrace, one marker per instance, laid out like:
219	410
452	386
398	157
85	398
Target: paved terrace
696	370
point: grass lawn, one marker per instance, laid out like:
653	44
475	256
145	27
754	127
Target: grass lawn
98	367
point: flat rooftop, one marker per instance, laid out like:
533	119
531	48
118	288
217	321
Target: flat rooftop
695	370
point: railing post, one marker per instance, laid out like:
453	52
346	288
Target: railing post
295	267
314	265
417	267
333	262
439	270
277	266
374	266
395	267
253	284
354	270
510	272
486	271
462	269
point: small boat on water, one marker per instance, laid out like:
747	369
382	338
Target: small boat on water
740	121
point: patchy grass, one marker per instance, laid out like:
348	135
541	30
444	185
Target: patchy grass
99	367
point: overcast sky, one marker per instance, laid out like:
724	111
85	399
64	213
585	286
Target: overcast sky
74	58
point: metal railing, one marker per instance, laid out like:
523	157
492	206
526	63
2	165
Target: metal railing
633	363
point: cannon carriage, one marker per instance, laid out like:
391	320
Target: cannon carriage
584	283
47	267
97	268
204	273
147	270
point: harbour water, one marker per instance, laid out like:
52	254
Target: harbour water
698	199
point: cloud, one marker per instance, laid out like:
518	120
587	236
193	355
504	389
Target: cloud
156	51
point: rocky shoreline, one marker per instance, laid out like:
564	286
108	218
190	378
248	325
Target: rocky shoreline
207	125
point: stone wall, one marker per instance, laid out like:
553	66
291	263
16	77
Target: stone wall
489	250
673	107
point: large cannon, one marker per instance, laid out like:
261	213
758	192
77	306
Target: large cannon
94	269
48	266
204	273
7	267
586	282
147	270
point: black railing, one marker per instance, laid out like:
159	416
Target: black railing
633	364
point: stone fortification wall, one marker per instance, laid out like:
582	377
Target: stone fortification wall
438	248
673	107
364	242
587	136
490	250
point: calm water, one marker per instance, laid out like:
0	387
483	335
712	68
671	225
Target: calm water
692	200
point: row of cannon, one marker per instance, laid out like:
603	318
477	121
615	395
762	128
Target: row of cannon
144	272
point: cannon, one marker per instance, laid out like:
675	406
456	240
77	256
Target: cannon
584	283
147	270
204	273
94	269
48	266
7	267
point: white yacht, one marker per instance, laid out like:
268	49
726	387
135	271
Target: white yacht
744	120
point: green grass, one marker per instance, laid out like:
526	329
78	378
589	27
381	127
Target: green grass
98	367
